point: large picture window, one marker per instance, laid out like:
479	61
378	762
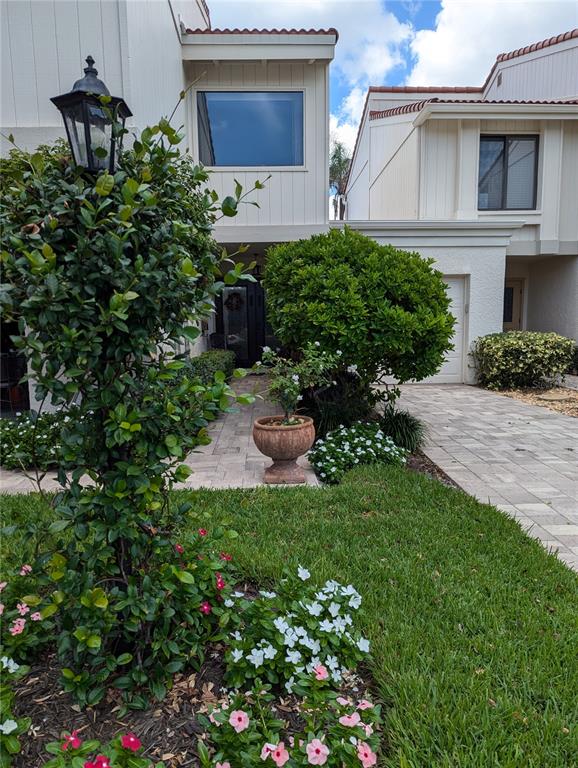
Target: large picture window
508	171
250	128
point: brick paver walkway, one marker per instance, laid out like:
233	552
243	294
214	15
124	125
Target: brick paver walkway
231	460
519	457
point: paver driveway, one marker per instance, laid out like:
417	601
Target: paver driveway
521	458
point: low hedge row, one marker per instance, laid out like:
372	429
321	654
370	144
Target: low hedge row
521	359
205	365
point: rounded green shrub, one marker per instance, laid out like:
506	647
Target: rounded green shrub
521	359
405	429
386	310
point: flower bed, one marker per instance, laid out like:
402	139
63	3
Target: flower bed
347	447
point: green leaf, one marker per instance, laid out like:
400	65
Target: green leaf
124	658
58	525
185	576
48	610
104	184
93	641
191	332
31	600
229	206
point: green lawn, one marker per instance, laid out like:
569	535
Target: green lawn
473	624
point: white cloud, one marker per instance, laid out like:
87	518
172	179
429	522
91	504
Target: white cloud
368	49
469	34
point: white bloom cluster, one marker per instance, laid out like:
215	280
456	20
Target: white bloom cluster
345	447
8	726
298	644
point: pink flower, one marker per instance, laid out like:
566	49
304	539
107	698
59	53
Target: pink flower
179	548
280	755
366	755
368	728
101	761
18	627
266	751
71	740
1	608
22	609
202	531
130	741
205	607
226	764
343	702
239	720
350	720
219	581
364	704
321	672
2	585
25	570
36	616
212	717
317	752
226	557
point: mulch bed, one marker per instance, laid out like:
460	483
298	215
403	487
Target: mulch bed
419	462
168	730
563	400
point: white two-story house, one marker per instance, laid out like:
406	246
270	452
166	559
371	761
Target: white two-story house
257	107
485	181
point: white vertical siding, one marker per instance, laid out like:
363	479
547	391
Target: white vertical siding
291	196
439	170
394	192
551	73
569	184
135	44
358	184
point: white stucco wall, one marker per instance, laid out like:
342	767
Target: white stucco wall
553	295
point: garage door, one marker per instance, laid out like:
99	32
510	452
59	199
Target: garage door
452	371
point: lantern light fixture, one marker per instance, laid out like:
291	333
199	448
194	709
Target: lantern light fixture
90	114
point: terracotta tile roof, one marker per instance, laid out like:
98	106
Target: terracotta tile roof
330	31
561	38
417	106
538	46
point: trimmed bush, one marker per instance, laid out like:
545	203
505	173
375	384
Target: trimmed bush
386	310
206	365
405	429
573	367
521	359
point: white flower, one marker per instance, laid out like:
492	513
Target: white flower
352	740
236	636
326	625
289	684
268	595
266	349
334	608
321	596
303	573
293	657
363	645
8	726
355	601
9	664
317	344
269	652
290	638
338	352
256	657
314	608
281	625
236	654
238	594
295	378
331	662
351	369
228	603
339	625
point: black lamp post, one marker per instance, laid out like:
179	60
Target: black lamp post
89	121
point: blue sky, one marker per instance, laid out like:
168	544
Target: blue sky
397	42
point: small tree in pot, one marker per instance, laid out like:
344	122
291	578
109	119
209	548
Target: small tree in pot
286	437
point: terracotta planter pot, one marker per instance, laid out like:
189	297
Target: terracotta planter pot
283	444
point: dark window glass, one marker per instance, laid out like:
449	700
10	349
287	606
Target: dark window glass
250	128
507	178
508	304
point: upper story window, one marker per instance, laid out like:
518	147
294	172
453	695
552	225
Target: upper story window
250	128
508	173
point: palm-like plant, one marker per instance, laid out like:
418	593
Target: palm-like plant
339	162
